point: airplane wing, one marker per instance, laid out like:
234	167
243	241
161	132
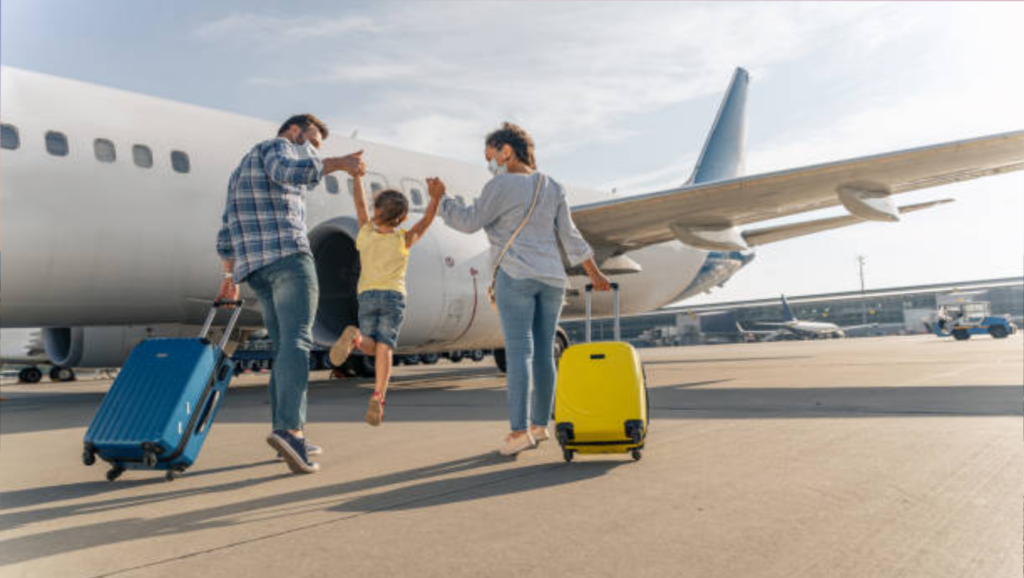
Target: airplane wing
778	233
863	185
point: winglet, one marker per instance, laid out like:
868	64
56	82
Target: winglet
724	153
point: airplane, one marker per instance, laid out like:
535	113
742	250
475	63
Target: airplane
112	201
23	349
804	329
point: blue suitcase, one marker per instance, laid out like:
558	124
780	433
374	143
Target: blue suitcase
158	411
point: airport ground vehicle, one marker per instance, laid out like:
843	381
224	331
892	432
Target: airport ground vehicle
962	320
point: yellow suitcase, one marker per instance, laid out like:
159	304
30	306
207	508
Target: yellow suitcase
601	402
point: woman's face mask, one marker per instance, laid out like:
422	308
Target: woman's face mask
496	169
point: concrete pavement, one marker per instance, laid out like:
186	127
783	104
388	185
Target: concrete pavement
868	457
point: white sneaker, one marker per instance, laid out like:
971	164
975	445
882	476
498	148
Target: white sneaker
515	444
342	348
539	434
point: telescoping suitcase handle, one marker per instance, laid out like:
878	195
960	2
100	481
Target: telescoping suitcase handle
590	293
231	324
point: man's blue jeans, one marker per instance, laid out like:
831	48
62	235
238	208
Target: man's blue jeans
288	293
529	311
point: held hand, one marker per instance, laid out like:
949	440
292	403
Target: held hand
228	291
435	187
600	281
353	164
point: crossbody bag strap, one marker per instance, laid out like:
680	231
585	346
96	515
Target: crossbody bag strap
541	179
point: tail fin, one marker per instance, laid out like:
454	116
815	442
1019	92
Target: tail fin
724	153
787	313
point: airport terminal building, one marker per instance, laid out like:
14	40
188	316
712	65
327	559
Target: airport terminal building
890	311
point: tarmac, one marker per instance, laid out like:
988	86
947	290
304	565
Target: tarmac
861	457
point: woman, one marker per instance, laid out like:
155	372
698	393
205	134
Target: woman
530	281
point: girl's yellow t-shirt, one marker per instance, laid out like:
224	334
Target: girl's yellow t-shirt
383	258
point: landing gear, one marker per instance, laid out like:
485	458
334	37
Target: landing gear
456	356
30	375
430	358
477	355
363	365
62	374
561	344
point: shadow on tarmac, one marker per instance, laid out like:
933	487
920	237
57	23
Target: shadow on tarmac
413	488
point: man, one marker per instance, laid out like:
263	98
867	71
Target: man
263	242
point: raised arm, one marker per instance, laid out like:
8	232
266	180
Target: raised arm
436	189
359	196
484	210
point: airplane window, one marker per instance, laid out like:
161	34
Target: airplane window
179	161
332	184
417	197
143	156
104	150
9	138
56	143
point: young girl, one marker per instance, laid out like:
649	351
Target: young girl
383	255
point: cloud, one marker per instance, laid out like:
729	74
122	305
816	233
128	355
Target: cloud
569	72
263	30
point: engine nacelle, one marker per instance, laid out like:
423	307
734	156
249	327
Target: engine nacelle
102	346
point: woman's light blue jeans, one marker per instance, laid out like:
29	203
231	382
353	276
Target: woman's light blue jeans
288	293
529	311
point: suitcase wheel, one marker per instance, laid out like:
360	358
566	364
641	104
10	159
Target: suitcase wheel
173	473
114	473
88	457
149	459
636	455
568	455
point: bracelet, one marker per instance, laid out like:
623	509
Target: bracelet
229	275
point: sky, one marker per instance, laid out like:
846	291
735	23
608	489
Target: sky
618	95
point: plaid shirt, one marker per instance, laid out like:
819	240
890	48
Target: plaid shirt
265	215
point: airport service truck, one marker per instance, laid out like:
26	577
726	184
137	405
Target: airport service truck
962	320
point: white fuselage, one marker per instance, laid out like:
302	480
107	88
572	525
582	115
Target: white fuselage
91	243
813	328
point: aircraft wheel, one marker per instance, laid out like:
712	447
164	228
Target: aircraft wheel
30	375
62	374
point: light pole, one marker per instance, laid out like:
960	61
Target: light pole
864	305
